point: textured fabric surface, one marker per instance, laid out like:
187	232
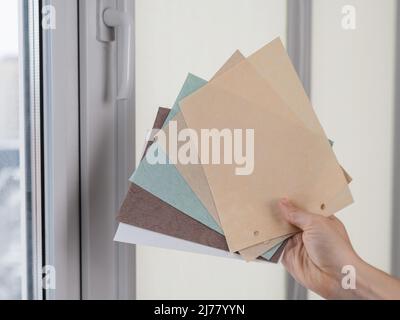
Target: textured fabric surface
144	210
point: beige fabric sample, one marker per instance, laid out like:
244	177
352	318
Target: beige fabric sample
275	55
280	138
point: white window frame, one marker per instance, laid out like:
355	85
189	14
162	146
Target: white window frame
61	220
31	149
107	160
88	153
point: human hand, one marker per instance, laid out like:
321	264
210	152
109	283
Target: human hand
315	257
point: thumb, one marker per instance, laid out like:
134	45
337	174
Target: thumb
295	216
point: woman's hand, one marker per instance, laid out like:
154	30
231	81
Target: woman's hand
316	256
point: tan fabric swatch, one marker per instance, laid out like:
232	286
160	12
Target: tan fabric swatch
195	177
242	81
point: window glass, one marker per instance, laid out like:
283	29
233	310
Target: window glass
11	257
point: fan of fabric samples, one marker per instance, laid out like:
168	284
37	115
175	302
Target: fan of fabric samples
224	154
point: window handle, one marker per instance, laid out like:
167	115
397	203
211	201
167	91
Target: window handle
114	20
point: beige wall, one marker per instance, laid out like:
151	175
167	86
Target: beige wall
173	38
353	94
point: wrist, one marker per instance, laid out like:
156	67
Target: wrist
375	284
369	283
347	279
353	282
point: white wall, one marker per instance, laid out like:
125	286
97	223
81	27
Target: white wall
173	38
353	94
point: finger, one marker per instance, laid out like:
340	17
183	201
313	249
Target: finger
288	255
341	228
295	216
298	238
292	256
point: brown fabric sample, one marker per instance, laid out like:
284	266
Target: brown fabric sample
144	210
